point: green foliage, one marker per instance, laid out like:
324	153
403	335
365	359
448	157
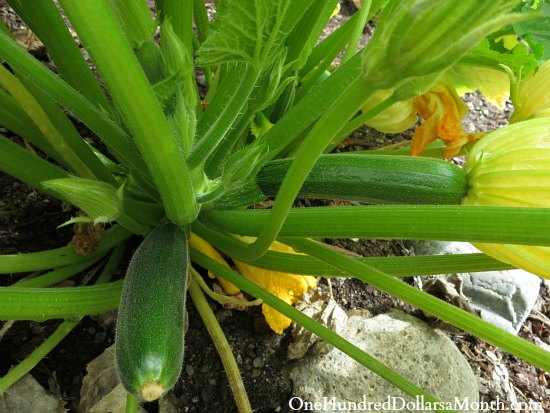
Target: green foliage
535	31
245	31
101	201
492	55
164	147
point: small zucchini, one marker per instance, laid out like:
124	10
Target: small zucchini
373	178
150	326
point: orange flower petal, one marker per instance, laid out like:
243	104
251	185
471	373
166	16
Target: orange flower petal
442	110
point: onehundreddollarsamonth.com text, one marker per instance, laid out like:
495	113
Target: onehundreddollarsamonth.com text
396	403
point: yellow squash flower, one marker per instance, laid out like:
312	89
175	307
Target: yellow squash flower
532	95
511	167
288	287
442	110
207	249
396	119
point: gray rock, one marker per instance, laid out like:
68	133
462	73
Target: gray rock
504	298
27	395
411	347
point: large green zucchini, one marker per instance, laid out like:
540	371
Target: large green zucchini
150	326
373	178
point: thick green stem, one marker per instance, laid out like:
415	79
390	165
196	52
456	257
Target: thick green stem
357	30
97	120
359	121
223	112
56	276
395	266
46	303
131	403
312	106
505	225
318	329
222	346
45	21
27	167
180	15
59	257
59	334
100	32
426	302
201	19
39	116
314	144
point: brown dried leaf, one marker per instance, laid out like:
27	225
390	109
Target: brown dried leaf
101	390
448	289
101	379
321	307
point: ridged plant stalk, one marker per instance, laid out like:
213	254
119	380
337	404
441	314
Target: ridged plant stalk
59	257
432	305
60	332
517	225
46	22
311	325
54	137
221	344
100	32
116	139
339	113
396	266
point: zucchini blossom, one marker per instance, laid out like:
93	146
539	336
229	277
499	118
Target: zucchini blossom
511	167
442	110
531	96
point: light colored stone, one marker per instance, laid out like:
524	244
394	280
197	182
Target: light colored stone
409	346
504	298
27	395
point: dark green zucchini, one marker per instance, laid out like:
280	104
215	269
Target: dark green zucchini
150	326
374	179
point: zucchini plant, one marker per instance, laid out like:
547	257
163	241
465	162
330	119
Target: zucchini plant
183	165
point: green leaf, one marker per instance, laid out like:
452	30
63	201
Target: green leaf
244	31
75	220
491	54
101	201
537	31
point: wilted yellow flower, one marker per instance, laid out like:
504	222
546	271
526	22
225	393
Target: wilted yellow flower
397	118
442	110
532	95
288	287
511	167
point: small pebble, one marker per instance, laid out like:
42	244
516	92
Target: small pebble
99	338
190	370
258	363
